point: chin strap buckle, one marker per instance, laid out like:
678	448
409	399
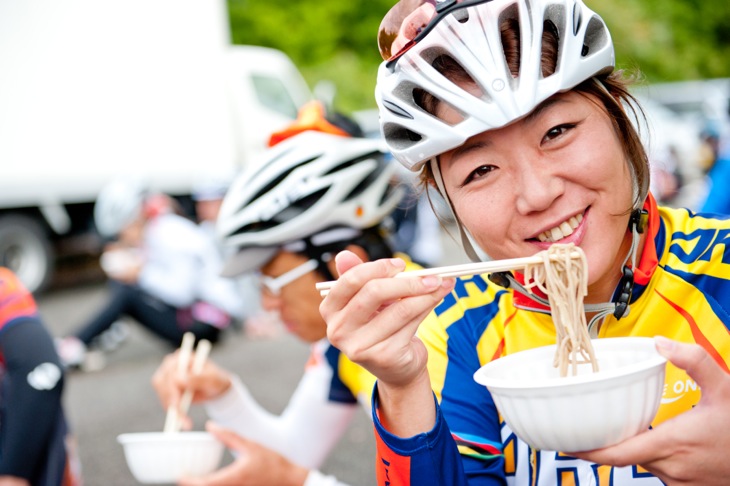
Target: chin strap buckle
626	286
500	278
639	220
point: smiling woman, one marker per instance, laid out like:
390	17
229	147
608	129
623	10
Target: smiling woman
512	109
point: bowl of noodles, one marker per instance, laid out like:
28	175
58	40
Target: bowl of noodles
582	410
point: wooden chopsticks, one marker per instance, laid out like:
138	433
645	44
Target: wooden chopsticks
172	420
461	270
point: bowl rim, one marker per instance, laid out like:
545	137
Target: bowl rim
567	381
157	437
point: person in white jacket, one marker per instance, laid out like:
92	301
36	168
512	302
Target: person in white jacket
163	272
314	195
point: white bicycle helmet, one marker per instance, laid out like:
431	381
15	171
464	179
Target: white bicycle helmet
471	37
312	184
119	203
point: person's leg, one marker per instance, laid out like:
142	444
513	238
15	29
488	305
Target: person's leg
169	322
113	308
152	313
202	330
157	316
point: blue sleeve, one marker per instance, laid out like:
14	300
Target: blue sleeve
428	459
467	406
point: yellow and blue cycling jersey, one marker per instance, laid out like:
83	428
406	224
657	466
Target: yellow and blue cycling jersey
682	291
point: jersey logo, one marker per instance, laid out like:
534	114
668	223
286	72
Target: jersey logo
706	241
45	376
678	390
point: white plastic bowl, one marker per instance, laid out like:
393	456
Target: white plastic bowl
166	457
583	412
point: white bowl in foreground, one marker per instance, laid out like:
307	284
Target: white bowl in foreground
583	412
166	457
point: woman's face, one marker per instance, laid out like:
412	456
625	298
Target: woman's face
557	175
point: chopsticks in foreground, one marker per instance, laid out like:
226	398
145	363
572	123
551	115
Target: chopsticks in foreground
461	270
172	420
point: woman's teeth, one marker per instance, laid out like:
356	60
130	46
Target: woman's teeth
561	231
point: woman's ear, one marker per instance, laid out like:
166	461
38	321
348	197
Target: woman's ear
357	250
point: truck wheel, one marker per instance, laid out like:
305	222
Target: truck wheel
26	250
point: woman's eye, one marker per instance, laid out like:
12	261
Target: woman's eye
478	173
557	131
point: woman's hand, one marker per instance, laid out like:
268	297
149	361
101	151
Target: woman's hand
690	448
255	465
373	319
210	383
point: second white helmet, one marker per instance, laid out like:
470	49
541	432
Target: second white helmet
308	183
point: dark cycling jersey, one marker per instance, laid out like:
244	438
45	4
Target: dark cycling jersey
33	430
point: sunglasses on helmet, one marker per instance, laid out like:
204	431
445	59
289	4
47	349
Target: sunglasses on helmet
409	21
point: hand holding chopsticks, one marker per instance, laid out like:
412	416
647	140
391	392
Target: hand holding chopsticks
461	270
172	420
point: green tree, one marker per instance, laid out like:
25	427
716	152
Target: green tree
335	40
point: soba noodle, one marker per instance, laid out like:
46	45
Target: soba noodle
564	280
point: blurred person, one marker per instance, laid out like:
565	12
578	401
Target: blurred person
666	180
715	157
417	230
514	111
207	197
163	272
709	148
717	200
36	447
314	195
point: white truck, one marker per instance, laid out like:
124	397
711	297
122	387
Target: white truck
92	90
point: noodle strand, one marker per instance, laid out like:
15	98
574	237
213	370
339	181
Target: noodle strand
564	280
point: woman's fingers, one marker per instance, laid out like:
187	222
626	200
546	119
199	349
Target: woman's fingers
682	449
354	274
373	318
392	303
345	260
698	364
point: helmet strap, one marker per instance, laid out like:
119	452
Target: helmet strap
466	243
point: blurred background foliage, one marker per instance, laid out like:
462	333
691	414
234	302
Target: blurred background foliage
669	40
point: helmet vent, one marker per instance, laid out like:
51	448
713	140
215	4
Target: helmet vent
399	136
397	110
351	162
275	182
511	37
461	15
596	36
577	19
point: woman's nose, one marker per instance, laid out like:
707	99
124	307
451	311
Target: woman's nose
538	186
